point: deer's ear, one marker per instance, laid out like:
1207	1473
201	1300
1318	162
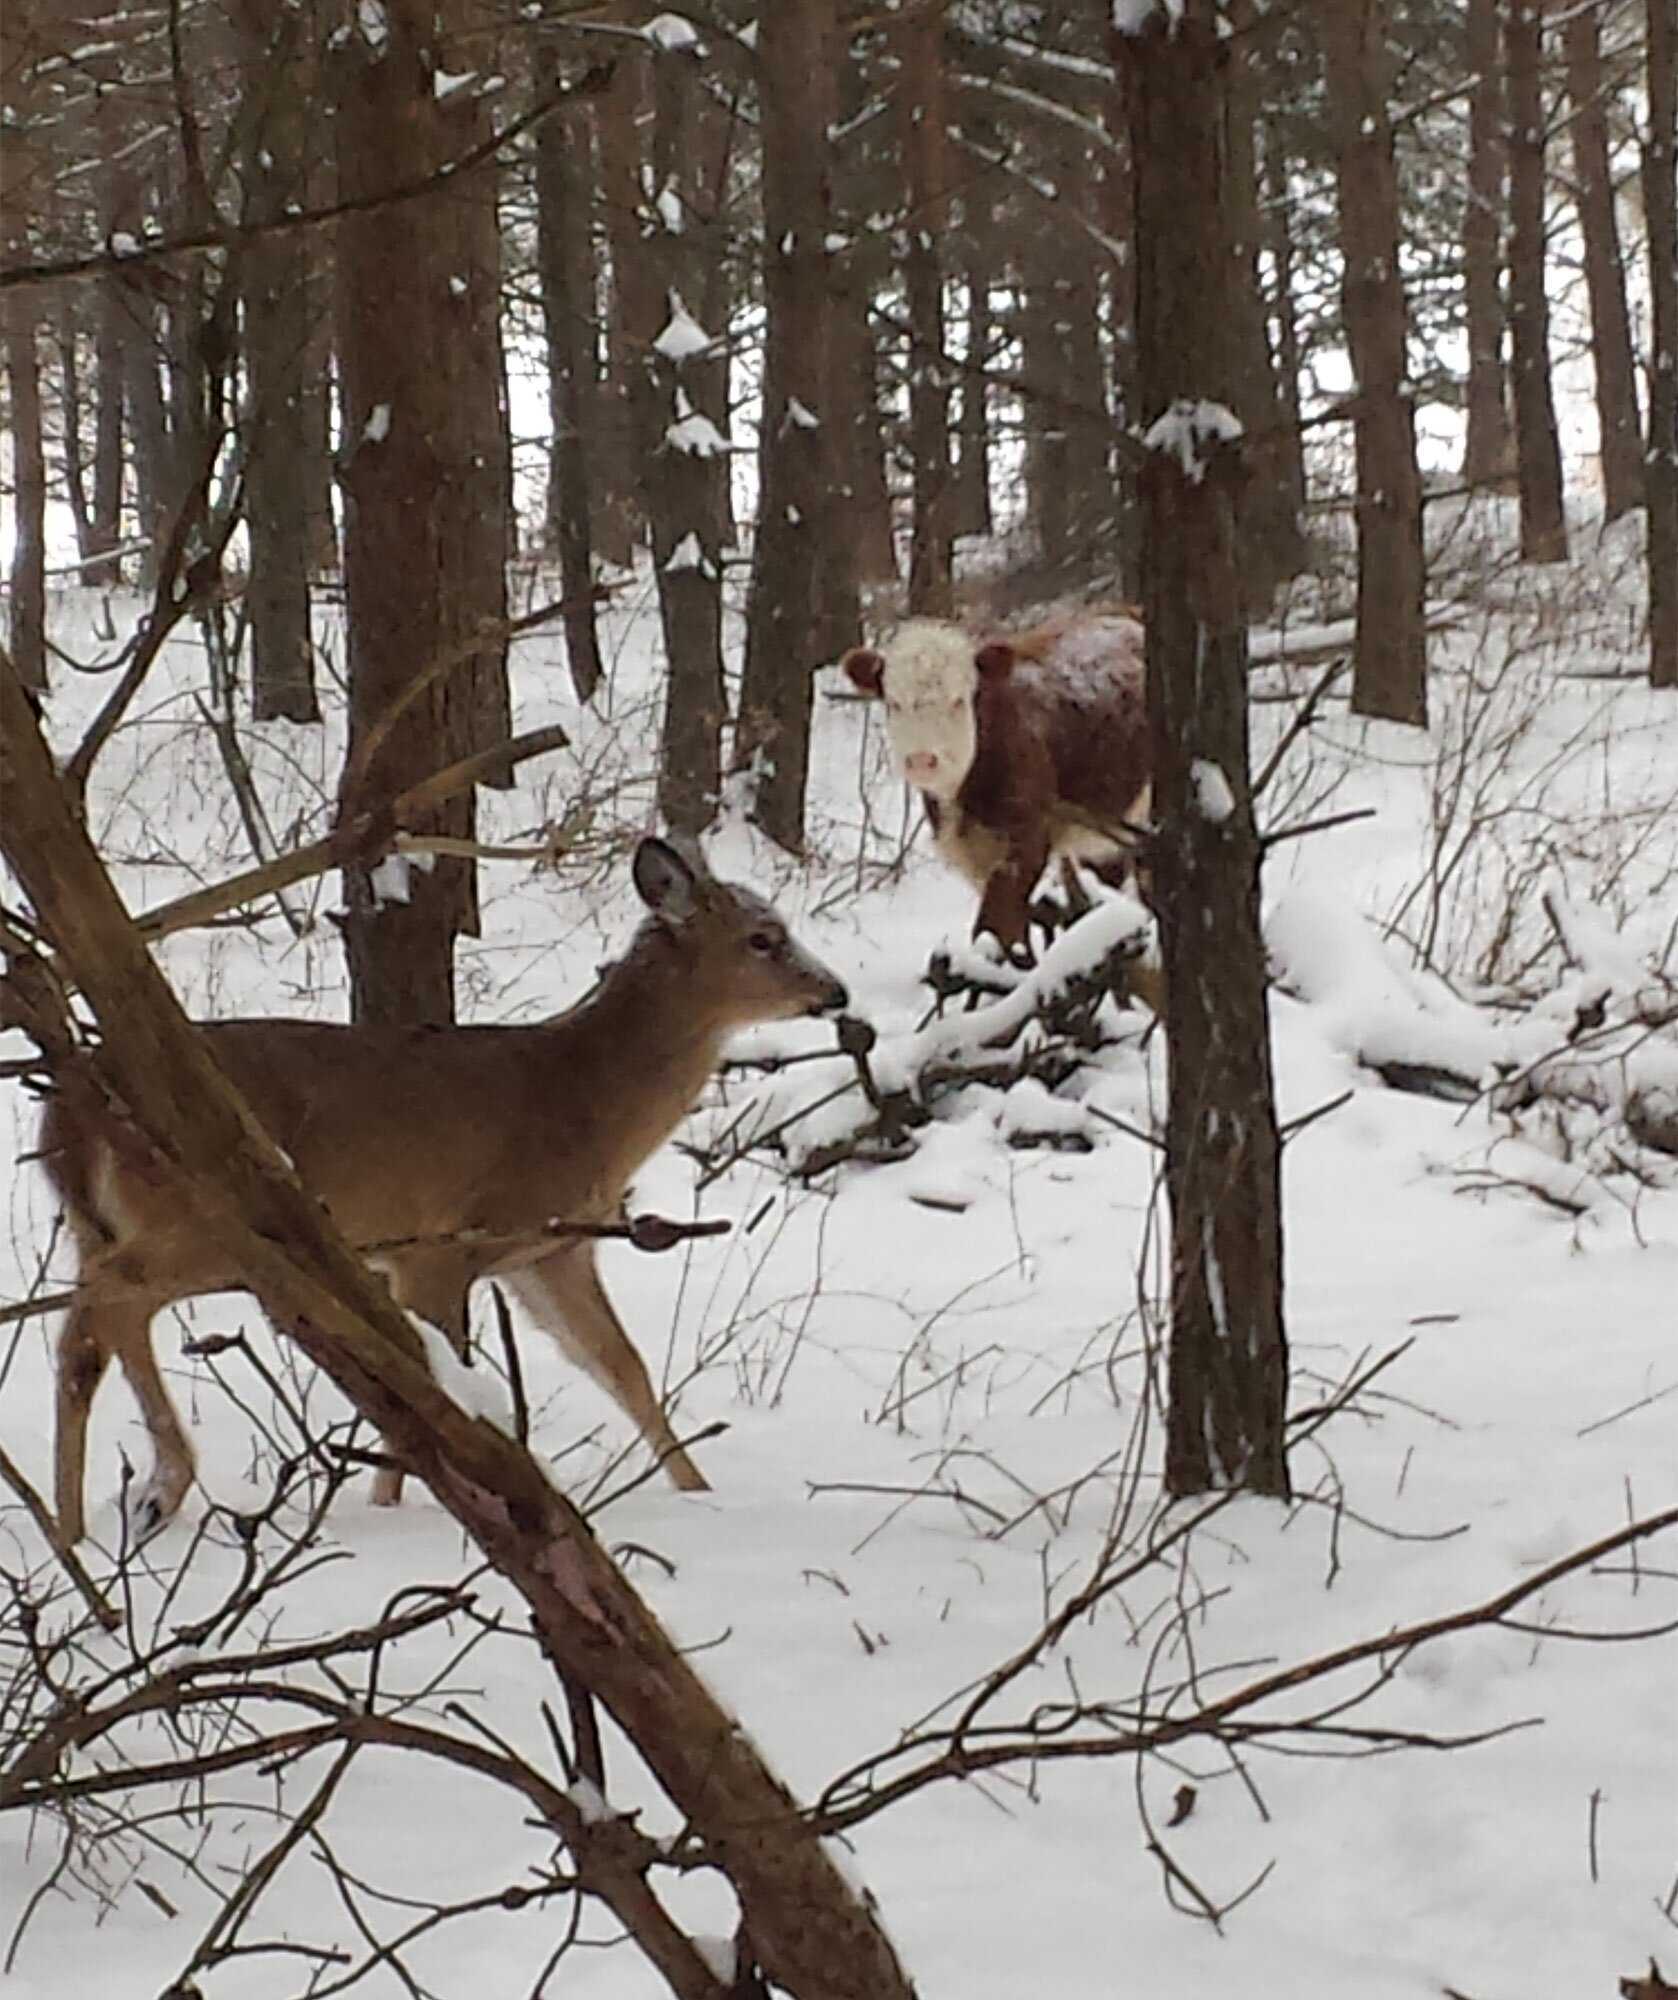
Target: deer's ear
865	667
664	880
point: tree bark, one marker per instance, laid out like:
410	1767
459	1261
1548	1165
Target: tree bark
274	117
1489	445
632	317
801	1922
797	101
687	435
922	116
1228	1357
28	579
1660	205
565	269
1621	432
1537	446
1390	675
423	569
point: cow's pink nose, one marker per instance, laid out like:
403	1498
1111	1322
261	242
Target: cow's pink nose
921	764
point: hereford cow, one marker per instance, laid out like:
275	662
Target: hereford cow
1022	745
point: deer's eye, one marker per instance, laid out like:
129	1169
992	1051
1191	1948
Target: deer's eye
764	941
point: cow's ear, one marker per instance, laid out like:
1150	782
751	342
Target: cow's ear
865	667
995	660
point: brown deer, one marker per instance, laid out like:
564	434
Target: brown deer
1022	745
438	1146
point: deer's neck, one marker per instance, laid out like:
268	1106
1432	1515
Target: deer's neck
644	1044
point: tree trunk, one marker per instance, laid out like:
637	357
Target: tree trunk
417	414
28	580
1390	676
108	463
690	428
1621	448
72	407
1278	229
274	116
797	102
1272	539
632	316
972	473
1660	204
1489	445
859	443
1537	446
802	1924
1228	1361
565	269
922	117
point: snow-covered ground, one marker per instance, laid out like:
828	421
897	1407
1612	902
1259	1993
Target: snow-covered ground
932	1375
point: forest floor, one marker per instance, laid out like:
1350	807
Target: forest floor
934	1379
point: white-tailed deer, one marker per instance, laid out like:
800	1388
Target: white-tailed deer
428	1138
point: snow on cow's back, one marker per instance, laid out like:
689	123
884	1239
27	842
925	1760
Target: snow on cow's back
1087	659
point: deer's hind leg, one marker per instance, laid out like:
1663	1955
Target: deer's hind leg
565	1294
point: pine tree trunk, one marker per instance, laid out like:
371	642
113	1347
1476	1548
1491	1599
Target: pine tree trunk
859	443
1278	229
1272	538
1390	676
108	464
1660	204
276	343
1489	445
1228	1360
972	473
72	423
28	579
632	318
565	269
1621	431
417	414
922	116
1537	445
689	425
797	101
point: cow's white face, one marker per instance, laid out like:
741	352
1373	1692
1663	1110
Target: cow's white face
928	681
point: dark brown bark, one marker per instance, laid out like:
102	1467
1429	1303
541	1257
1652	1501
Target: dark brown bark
28	579
688	428
72	423
797	99
808	1930
632	316
425	498
1660	206
1390	674
922	115
275	116
1537	444
1284	310
1228	1359
861	478
108	462
565	268
972	511
1489	445
1621	447
1272	537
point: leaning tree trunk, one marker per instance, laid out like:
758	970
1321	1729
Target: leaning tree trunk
1228	1360
803	1927
1621	448
1537	446
1660	203
274	116
797	102
1390	675
422	577
1489	445
924	146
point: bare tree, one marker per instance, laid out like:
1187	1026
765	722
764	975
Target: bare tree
921	121
1489	446
1621	433
1537	445
1660	204
797	94
1390	677
1228	1356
